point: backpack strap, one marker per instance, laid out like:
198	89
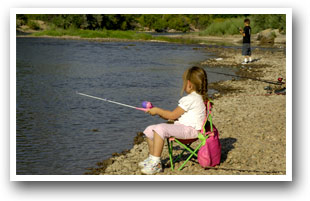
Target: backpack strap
209	107
203	135
208	116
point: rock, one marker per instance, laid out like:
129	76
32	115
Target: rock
267	36
139	138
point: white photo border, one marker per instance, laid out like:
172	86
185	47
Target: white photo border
15	177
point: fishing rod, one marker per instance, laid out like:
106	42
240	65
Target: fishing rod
145	104
256	79
239	28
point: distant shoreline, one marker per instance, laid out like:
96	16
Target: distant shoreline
89	39
234	40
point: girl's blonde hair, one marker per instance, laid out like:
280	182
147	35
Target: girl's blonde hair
198	77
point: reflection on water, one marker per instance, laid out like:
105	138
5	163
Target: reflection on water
60	132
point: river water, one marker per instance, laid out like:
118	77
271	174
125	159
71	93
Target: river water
60	132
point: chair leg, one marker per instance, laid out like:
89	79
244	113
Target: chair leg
170	148
179	156
185	147
193	153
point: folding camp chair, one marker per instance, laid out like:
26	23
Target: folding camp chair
186	143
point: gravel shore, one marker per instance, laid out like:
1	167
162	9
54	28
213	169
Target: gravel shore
251	123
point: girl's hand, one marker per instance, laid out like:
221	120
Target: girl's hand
152	111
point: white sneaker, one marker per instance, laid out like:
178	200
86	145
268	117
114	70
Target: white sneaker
152	168
245	62
144	163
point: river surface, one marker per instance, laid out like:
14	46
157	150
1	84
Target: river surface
59	132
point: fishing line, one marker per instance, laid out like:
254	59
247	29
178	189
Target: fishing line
239	28
256	79
252	95
145	104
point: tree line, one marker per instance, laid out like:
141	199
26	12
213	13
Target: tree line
142	22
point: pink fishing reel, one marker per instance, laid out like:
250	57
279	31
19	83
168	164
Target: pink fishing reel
147	105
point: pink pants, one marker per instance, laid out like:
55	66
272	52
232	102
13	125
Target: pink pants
165	130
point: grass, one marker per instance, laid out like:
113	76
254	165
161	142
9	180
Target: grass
229	26
117	34
177	40
223	27
131	35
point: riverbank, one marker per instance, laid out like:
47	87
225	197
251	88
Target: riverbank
251	123
236	39
125	36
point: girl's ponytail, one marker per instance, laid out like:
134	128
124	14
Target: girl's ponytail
204	86
198	77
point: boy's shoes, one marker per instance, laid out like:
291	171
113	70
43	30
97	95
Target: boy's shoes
152	167
246	62
268	88
280	91
144	163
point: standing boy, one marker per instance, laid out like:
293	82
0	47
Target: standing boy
246	47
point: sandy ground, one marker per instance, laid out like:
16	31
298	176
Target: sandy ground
251	123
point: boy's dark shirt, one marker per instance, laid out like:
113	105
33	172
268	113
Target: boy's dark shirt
247	37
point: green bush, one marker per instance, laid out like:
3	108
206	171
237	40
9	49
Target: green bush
200	21
221	27
229	26
163	22
215	24
21	20
33	25
266	21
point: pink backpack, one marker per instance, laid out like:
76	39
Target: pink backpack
210	153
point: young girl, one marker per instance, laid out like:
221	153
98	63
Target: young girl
189	114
